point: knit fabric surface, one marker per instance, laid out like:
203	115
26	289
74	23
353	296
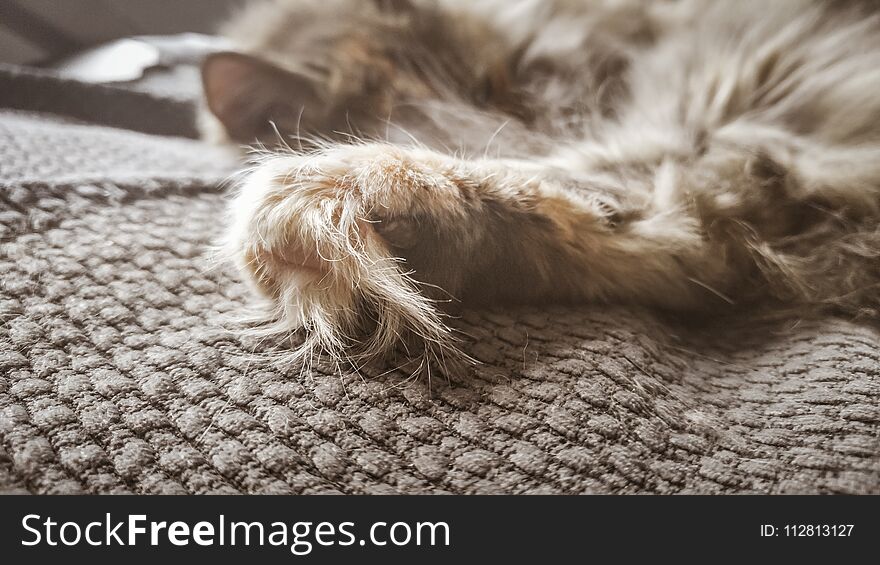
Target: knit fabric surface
119	371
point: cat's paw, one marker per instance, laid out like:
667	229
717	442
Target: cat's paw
368	247
357	246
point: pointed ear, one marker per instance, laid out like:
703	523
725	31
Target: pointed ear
247	94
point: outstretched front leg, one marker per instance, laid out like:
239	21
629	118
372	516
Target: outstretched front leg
367	246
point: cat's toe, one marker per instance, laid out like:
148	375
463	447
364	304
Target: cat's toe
401	232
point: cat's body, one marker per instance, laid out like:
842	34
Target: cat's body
685	155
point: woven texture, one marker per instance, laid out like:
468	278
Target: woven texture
117	372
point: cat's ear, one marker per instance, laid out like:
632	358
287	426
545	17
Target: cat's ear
248	94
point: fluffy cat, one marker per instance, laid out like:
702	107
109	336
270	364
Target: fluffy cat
689	155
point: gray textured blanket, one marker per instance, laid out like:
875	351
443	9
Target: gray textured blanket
117	372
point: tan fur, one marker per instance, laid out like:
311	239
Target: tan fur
693	156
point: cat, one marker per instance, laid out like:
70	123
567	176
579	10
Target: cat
416	156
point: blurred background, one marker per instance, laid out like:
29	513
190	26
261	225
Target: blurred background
36	32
